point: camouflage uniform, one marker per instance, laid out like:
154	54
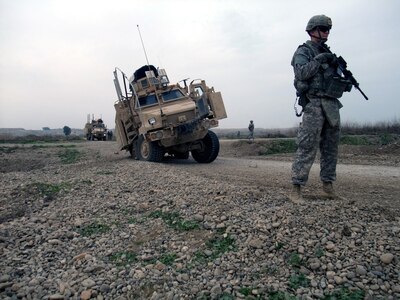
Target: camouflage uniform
251	129
321	119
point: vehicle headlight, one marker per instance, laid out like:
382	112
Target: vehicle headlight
152	121
159	134
156	135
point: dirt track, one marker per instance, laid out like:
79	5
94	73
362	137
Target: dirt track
374	178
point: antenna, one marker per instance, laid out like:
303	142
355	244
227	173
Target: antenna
148	65
144	49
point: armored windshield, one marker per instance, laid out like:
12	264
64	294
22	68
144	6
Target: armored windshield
172	95
148	100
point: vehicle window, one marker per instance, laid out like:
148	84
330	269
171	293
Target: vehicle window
199	90
172	95
147	100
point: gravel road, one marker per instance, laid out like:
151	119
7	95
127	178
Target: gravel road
109	227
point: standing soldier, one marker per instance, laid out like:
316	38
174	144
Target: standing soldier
250	137
109	135
319	86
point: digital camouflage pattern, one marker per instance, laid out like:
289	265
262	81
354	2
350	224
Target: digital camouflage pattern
318	20
315	131
321	119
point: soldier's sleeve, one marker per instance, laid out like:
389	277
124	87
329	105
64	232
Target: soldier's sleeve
303	64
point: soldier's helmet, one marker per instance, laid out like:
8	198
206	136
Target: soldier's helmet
318	20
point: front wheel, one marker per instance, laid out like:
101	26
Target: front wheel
210	149
149	151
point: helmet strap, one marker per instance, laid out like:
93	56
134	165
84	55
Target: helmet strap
319	37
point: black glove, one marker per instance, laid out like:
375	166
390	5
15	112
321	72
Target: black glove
324	58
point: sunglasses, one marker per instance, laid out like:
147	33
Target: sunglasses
323	29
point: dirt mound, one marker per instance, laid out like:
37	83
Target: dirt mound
284	149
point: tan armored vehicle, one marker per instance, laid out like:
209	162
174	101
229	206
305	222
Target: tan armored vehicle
95	129
155	118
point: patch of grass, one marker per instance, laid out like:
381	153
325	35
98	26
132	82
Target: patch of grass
36	145
226	296
168	258
124	258
38	139
175	221
40	146
295	260
48	189
246	291
319	252
132	220
270	270
130	213
279	245
5	149
346	294
279	295
221	244
94	228
200	257
280	146
69	156
386	139
218	246
355	140
298	280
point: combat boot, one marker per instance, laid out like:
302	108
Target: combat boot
295	194
328	190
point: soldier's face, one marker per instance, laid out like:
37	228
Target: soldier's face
320	33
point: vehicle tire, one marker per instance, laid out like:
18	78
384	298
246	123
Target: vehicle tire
132	150
210	151
149	151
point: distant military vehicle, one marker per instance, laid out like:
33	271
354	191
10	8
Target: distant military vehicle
155	118
95	129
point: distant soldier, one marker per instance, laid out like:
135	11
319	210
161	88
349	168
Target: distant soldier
250	137
109	135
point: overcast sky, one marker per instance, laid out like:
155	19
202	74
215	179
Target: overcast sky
57	56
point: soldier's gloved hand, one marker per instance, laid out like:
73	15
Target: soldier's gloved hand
324	58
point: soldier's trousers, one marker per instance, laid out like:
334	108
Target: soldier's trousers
313	132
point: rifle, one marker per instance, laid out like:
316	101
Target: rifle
342	65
